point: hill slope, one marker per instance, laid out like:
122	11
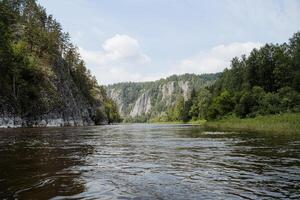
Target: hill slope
146	100
43	81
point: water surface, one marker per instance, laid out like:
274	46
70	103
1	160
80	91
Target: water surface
143	161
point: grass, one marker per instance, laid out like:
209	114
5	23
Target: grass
194	122
166	122
197	122
281	123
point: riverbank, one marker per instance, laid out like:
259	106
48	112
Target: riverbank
281	123
197	122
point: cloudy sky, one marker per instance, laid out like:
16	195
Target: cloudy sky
141	40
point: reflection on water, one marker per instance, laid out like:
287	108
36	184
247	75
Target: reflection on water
147	162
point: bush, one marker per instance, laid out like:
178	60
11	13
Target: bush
270	104
100	115
246	105
290	99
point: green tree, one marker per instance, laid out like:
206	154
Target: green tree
221	105
290	99
200	104
112	111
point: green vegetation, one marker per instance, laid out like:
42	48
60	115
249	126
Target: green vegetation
164	94
264	83
280	123
33	50
267	82
258	92
35	54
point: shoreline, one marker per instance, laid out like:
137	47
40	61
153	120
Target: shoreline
287	123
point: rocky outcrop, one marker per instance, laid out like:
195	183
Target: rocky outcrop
167	91
115	95
152	99
142	105
43	80
44	121
185	88
72	109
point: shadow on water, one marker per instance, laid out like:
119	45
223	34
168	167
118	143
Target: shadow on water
41	163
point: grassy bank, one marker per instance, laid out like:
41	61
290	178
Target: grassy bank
196	122
283	123
166	122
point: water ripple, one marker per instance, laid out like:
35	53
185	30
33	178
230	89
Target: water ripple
147	162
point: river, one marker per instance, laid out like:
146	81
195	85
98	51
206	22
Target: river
146	161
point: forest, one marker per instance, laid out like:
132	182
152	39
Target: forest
264	83
144	101
33	48
35	54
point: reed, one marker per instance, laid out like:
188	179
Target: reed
281	123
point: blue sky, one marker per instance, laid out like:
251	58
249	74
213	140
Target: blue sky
142	40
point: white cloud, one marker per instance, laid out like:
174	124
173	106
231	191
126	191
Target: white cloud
118	49
119	60
215	59
122	59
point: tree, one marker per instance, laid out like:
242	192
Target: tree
256	82
283	70
179	108
200	104
32	48
294	51
112	111
221	105
289	99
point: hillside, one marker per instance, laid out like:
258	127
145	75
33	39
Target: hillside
43	81
264	83
147	100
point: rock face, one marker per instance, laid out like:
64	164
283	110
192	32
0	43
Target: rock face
151	99
167	91
43	80
185	88
116	94
142	105
73	108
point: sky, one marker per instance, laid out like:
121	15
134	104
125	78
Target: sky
145	40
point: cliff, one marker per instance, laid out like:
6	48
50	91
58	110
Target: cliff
63	105
146	100
43	80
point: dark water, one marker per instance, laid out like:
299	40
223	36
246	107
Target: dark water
147	162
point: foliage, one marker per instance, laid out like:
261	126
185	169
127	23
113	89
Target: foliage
32	47
221	105
180	110
200	104
279	123
163	95
266	82
112	111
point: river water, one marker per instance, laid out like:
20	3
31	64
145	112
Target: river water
145	161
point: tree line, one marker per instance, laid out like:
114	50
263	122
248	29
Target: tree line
32	46
161	93
266	82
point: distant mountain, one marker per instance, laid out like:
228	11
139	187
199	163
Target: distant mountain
141	101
